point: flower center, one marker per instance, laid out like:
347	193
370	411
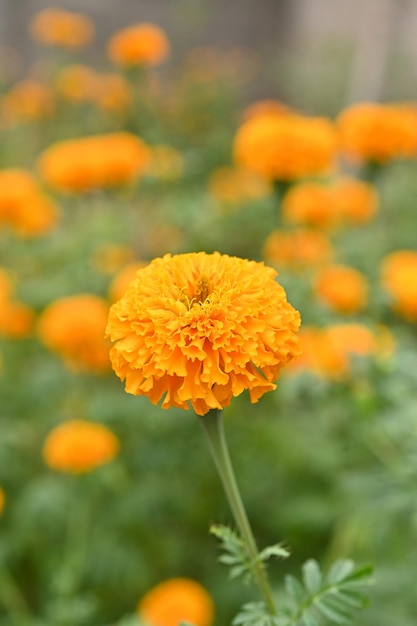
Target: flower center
202	290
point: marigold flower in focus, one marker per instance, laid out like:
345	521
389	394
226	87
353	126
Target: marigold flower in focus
177	600
88	163
78	446
141	44
342	288
201	328
399	279
231	185
73	327
28	100
378	132
297	250
66	29
287	147
23	207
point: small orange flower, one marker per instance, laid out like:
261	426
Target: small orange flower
311	204
141	44
399	279
66	29
357	200
88	163
342	288
23	207
201	328
330	206
28	100
328	352
77	446
285	148
73	327
319	355
297	250
232	185
378	132
77	83
266	107
177	600
113	93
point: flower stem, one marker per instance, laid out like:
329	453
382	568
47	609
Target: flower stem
212	424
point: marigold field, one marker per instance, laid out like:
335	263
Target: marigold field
115	173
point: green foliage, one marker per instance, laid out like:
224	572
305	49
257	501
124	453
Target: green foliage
334	598
236	556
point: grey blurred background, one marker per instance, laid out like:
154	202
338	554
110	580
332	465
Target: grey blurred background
358	49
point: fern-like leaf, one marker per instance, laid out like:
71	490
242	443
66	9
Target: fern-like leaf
322	599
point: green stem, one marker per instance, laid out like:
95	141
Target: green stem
212	424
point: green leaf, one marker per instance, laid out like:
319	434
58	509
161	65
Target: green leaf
294	589
276	550
312	576
255	614
339	570
309	619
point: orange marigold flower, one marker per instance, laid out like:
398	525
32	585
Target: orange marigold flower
140	44
357	200
378	132
23	206
77	83
399	279
113	93
66	29
78	446
342	288
297	250
311	204
328	351
266	107
16	320
177	600
319	355
26	101
231	185
201	328
285	147
88	163
73	327
329	206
